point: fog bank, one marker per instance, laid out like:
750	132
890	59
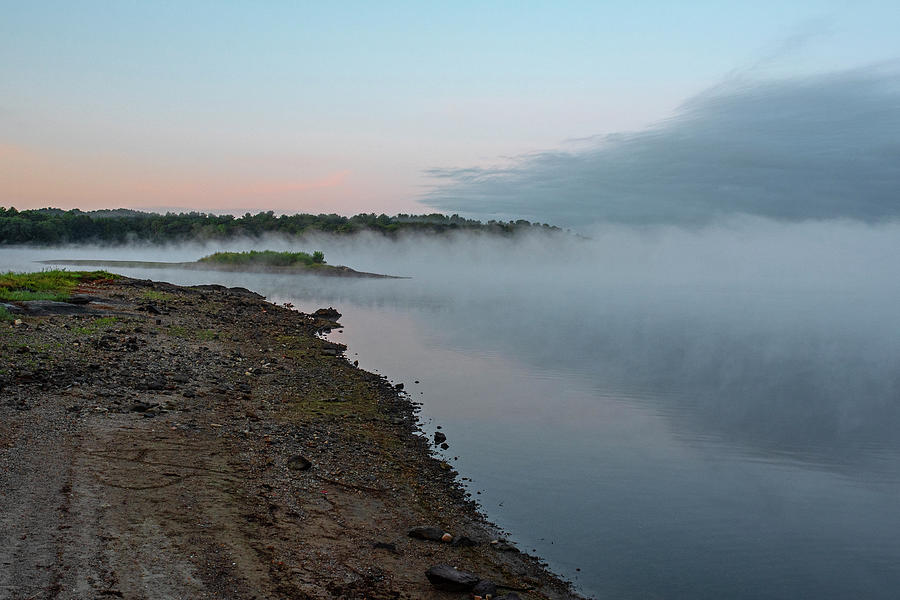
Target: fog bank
815	147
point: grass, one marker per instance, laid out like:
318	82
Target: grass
46	285
5	315
96	325
266	257
157	296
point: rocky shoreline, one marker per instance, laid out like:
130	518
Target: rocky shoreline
158	441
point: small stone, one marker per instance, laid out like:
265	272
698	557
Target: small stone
298	463
427	533
386	546
439	437
463	541
445	577
445	445
503	546
446	538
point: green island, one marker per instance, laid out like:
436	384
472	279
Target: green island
253	261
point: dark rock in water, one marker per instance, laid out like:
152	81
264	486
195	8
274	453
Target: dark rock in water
298	463
439	437
399	386
329	314
485	588
434	534
445	445
447	578
462	541
386	546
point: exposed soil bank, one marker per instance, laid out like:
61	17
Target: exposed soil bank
202	443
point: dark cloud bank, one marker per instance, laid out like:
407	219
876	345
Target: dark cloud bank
818	147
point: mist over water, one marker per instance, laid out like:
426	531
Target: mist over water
677	412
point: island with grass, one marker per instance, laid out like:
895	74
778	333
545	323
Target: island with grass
252	261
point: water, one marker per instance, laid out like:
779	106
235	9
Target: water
675	415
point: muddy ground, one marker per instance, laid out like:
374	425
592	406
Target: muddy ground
202	443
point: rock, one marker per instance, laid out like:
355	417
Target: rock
439	437
399	386
157	383
298	463
434	534
509	596
11	308
329	352
140	407
463	541
150	309
82	299
386	546
447	578
445	445
485	588
329	314
49	307
503	546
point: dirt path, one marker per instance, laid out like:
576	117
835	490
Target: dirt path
206	444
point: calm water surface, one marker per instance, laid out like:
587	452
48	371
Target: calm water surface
730	435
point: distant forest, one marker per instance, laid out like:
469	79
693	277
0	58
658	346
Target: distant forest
48	226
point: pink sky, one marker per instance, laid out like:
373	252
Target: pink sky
33	179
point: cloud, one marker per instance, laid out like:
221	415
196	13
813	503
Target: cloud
815	147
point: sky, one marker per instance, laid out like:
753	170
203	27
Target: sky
391	106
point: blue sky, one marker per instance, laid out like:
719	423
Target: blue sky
309	107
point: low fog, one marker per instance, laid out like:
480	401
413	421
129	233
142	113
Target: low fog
814	147
777	336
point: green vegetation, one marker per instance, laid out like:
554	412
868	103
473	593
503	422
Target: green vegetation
96	325
157	296
267	258
5	315
55	226
46	285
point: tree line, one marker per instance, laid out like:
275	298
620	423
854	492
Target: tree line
48	226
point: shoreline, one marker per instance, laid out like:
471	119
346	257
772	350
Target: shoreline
323	270
212	437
